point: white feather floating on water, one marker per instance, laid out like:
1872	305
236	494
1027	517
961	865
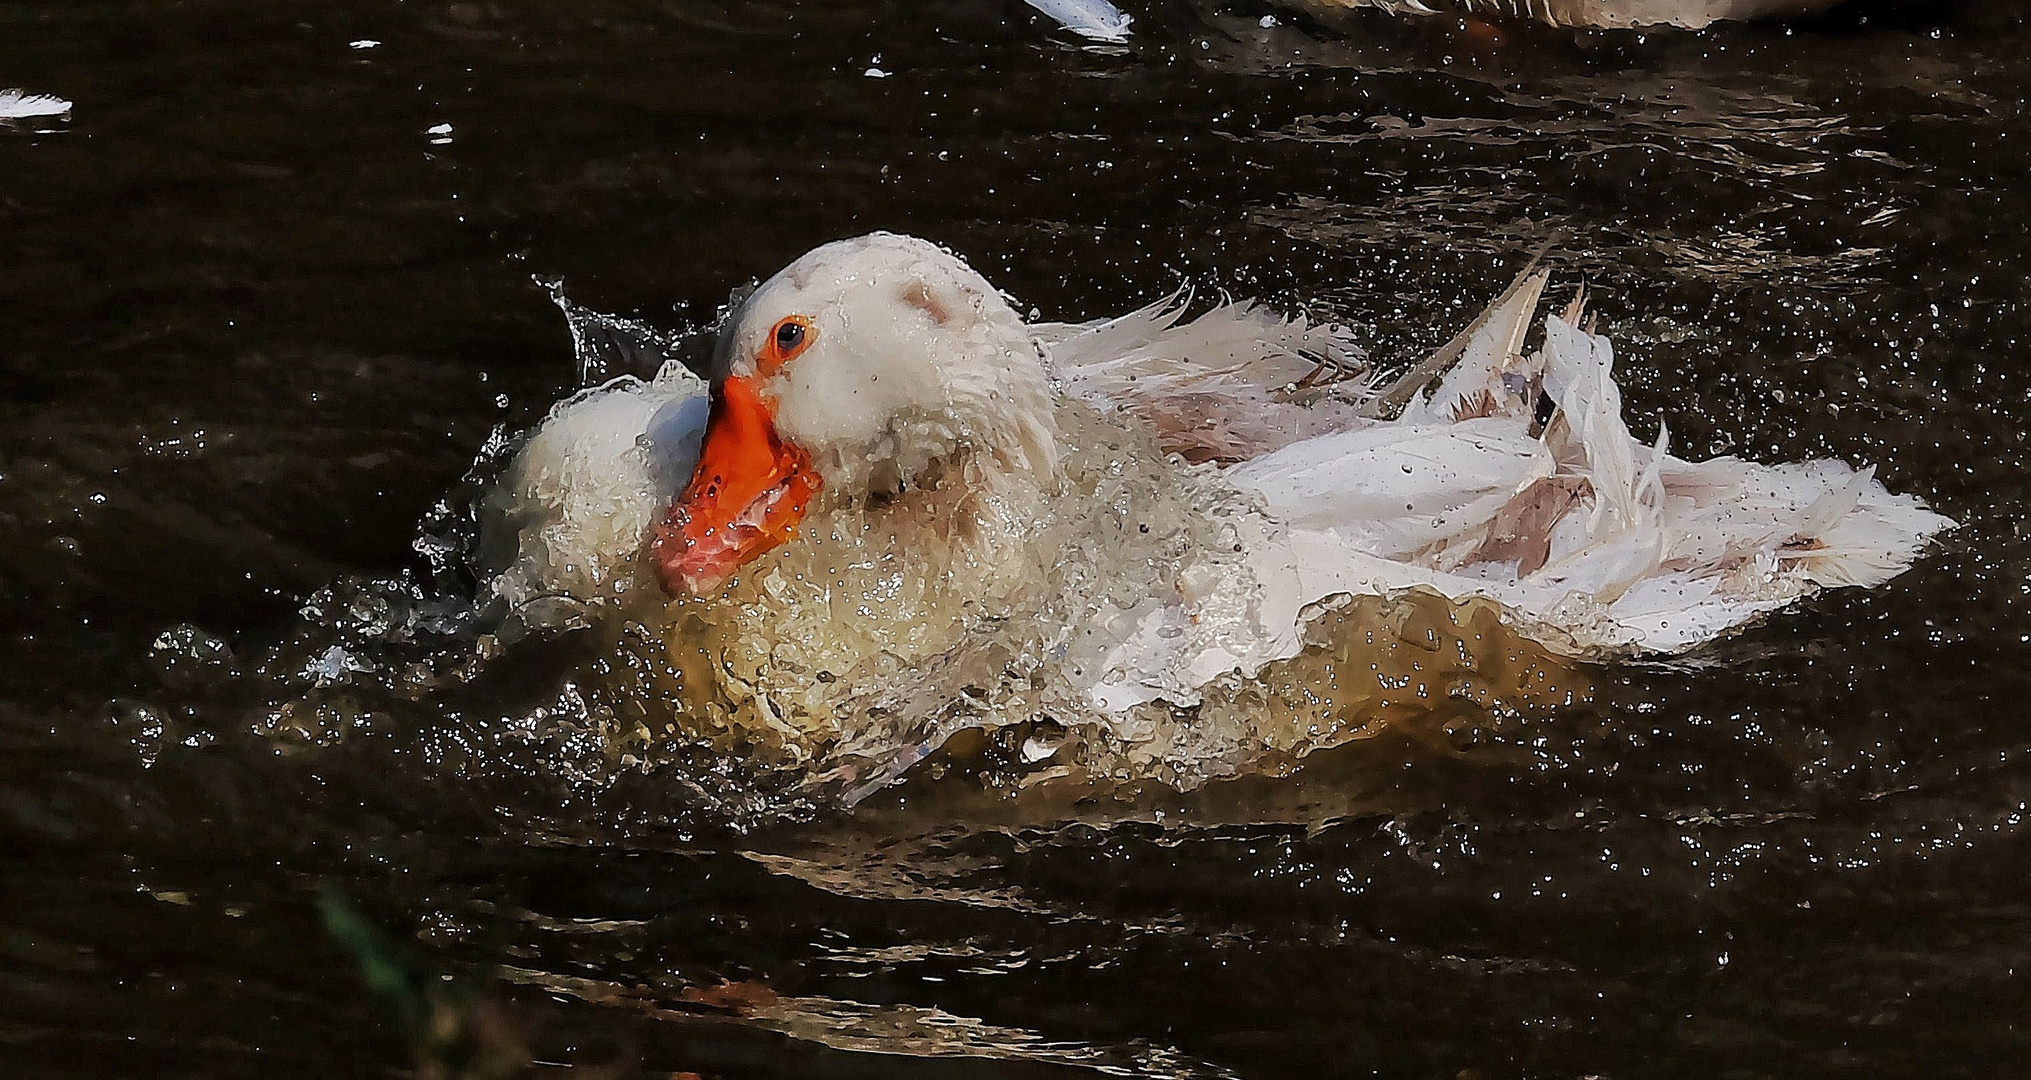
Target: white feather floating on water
1096	19
18	105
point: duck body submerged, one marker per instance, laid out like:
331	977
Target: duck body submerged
894	486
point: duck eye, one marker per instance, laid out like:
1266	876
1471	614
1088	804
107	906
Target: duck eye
789	335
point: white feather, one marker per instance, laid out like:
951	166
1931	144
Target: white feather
1096	19
1393	489
1234	383
18	105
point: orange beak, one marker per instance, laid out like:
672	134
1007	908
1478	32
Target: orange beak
747	494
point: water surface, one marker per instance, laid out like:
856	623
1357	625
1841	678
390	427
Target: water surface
268	293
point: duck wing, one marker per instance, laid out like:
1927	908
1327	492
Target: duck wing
1232	384
1514	476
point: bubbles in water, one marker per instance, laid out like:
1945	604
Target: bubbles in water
143	724
186	656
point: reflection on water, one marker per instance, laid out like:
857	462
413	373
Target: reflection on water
262	313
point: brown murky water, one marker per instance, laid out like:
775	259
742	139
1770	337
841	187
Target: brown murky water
260	309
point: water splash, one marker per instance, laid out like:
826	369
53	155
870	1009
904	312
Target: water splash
836	666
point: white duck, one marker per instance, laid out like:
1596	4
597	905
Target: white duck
879	394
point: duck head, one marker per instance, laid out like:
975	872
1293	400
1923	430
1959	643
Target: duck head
856	370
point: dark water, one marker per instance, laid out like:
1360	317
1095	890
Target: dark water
255	321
